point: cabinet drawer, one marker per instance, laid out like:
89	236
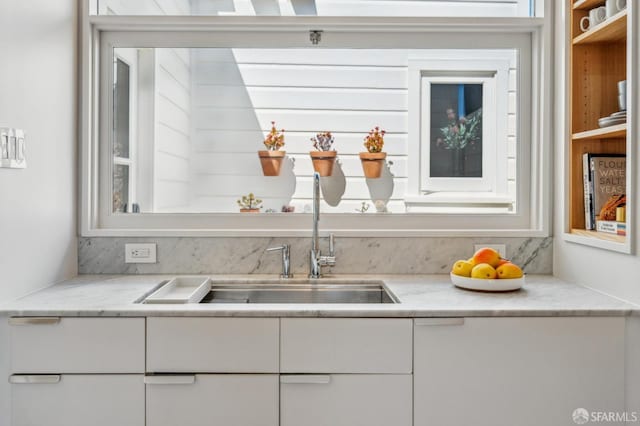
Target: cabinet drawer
78	400
337	345
212	345
213	399
346	400
77	345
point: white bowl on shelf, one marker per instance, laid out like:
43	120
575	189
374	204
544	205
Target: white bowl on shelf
487	285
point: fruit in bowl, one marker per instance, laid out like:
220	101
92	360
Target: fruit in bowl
487	271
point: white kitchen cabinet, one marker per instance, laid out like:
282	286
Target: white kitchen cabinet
76	345
346	345
508	371
77	400
213	345
212	399
345	400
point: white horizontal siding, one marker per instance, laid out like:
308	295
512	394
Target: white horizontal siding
173	174
312	98
248	164
275	75
474	8
237	93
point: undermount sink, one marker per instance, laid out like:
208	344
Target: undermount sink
373	292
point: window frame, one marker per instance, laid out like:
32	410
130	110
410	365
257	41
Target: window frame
424	191
294	32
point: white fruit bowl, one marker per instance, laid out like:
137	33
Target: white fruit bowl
487	285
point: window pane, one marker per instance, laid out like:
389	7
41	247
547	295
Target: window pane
385	8
121	99
456	129
120	188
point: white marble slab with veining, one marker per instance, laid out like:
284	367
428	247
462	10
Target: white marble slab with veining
419	296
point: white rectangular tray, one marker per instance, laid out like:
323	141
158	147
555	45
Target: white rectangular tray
181	290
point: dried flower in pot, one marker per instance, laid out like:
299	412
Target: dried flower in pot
325	157
373	159
250	204
271	158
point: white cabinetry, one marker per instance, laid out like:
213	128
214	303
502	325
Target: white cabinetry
213	345
212	399
77	400
346	345
77	371
524	371
236	347
355	372
345	400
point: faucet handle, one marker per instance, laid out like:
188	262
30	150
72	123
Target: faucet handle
332	245
286	259
284	247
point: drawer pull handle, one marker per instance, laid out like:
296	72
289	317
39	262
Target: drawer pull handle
306	379
36	379
33	320
438	321
183	379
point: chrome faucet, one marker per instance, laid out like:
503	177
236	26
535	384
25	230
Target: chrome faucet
286	259
316	260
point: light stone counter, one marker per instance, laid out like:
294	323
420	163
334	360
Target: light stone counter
419	296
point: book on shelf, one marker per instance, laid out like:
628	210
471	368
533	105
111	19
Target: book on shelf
604	176
611	227
588	194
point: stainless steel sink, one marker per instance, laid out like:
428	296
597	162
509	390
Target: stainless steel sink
309	292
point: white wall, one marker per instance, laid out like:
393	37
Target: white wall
38	210
613	273
238	92
172	188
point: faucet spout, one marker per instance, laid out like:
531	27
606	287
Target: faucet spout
316	261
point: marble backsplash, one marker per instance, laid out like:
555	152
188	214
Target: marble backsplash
243	255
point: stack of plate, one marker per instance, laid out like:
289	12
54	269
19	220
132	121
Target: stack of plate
615	118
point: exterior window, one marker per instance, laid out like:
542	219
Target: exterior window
465	115
123	133
175	111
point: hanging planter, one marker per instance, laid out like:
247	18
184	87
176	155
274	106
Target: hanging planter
271	162
372	163
271	158
325	157
374	159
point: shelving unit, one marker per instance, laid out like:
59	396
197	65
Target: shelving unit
598	61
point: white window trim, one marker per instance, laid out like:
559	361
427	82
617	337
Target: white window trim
339	32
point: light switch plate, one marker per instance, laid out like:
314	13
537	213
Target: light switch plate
140	253
500	248
12	148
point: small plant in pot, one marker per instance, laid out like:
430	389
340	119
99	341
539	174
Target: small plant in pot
250	204
271	158
325	157
373	159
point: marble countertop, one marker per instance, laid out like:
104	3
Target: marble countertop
419	296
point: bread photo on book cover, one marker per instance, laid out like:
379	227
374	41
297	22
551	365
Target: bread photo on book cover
608	211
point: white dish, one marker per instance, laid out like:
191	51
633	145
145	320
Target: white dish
181	290
610	121
487	285
619	114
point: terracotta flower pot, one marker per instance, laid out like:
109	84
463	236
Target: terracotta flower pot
249	210
271	162
323	161
372	163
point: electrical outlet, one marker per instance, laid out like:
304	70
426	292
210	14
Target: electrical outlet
140	253
500	248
